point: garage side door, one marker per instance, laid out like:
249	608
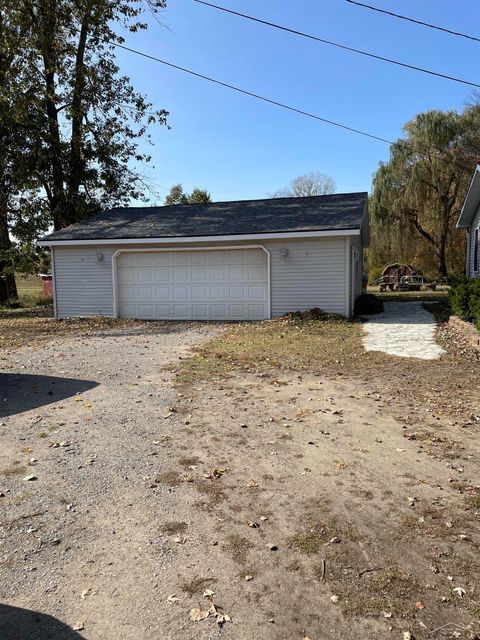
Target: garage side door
227	284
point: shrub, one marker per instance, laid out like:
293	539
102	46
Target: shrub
367	304
464	299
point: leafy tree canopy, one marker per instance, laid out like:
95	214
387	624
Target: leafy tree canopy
177	195
417	195
70	123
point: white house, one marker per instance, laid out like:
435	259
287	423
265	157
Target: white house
246	260
470	219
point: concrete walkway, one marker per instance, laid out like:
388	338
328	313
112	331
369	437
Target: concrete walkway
404	329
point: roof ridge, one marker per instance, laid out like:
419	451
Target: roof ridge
205	204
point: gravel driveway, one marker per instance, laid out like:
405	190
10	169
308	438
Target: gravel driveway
84	417
258	503
404	329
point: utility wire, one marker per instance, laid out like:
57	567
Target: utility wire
424	24
253	95
338	45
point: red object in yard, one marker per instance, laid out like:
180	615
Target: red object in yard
47	288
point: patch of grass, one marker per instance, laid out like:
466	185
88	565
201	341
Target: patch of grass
393	591
441	293
200	367
16	469
171	528
473	501
288	343
238	547
170	478
441	309
189	461
197	585
211	488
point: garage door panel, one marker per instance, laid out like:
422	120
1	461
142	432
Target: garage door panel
236	292
230	284
181	293
236	274
218	292
180	311
162	274
237	311
256	292
164	311
256	273
146	310
217	274
199	274
200	311
180	274
162	293
144	275
256	311
161	259
127	294
218	312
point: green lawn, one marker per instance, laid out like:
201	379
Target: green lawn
441	293
30	293
28	284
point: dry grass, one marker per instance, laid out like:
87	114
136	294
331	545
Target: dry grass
22	327
332	346
238	547
171	528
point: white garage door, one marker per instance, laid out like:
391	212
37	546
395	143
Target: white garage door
227	284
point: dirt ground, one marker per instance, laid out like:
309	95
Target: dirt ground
283	500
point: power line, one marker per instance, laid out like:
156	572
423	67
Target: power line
253	95
424	24
337	44
277	103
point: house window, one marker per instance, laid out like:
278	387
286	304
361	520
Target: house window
475	250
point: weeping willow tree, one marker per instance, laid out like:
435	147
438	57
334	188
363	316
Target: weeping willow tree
418	193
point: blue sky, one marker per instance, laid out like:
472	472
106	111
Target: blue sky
240	148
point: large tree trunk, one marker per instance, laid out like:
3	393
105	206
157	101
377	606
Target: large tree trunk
57	189
76	169
8	287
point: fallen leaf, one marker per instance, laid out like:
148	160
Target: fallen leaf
215	473
197	614
247	578
208	593
334	599
419	605
460	591
252	483
80	626
87	405
173	598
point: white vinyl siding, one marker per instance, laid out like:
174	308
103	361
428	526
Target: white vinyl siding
471	247
83	283
311	274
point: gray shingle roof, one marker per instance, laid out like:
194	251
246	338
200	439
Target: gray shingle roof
275	215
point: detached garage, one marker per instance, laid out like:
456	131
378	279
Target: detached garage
247	260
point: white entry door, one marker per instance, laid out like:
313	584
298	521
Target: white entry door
226	284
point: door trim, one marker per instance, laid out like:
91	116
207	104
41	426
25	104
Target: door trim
169	250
